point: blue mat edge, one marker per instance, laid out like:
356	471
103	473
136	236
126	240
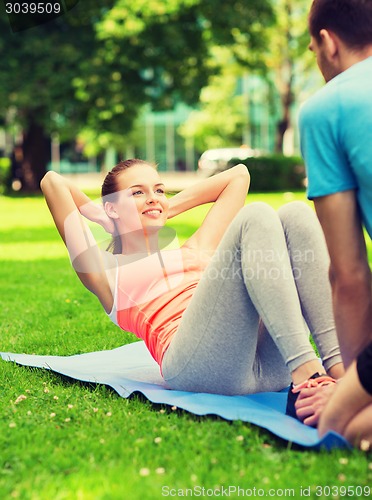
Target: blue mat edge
328	442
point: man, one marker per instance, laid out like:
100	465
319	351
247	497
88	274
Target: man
336	142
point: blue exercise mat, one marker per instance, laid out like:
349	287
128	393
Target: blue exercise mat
130	369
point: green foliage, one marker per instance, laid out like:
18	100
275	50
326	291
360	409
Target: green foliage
101	62
4	173
289	69
95	67
277	77
219	120
274	172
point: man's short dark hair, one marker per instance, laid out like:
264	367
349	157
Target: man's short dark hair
350	20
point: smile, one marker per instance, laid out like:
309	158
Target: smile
154	211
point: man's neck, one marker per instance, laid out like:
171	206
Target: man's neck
351	56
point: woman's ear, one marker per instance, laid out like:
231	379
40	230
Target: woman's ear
110	210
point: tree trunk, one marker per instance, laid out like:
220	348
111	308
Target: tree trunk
288	76
36	154
284	123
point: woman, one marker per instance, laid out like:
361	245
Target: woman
224	313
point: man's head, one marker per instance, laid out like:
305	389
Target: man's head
335	24
350	20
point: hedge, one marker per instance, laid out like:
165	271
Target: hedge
274	172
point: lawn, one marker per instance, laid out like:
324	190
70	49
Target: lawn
65	440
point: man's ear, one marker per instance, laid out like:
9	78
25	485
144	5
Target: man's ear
329	42
110	210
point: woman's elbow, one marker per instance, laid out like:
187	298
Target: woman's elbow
241	170
48	178
243	174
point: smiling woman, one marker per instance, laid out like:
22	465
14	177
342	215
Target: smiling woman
132	203
215	313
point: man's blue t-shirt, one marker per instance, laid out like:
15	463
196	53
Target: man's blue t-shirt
336	137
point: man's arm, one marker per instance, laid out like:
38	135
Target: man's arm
346	409
350	274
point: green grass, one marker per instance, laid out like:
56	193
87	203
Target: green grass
68	441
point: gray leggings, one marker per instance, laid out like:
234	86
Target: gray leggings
247	326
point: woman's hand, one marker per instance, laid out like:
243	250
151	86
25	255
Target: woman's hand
96	213
108	224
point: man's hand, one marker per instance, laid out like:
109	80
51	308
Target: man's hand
311	402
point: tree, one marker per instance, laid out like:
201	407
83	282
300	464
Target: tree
99	64
280	70
287	64
219	121
37	68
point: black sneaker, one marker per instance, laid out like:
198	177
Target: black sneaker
316	380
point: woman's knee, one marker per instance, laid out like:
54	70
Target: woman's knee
258	214
297	209
298	214
258	207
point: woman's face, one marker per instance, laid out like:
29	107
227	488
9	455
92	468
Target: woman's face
141	201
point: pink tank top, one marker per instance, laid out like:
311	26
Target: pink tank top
152	294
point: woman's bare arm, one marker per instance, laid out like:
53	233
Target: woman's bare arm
227	191
66	204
